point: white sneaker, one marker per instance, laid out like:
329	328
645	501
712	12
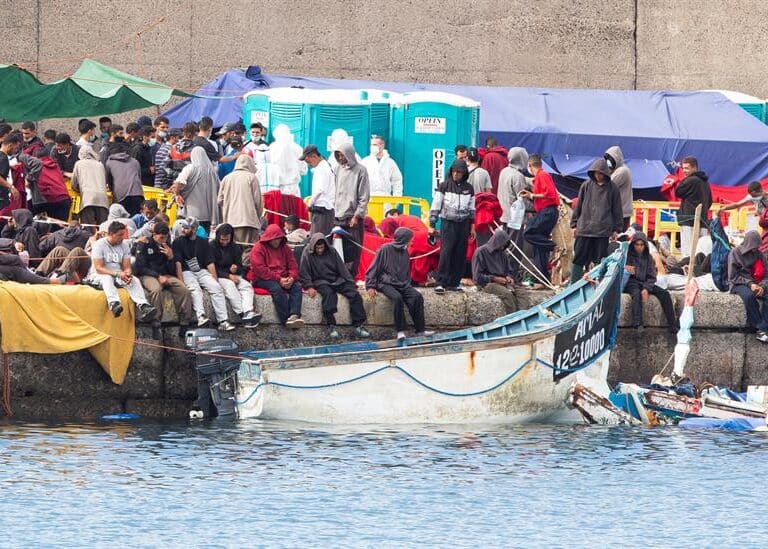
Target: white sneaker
225	326
400	335
426	333
294	322
202	321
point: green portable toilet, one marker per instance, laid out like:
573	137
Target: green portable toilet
312	115
426	126
753	105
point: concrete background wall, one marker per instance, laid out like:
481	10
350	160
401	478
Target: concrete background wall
685	44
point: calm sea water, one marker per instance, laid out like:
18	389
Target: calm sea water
278	484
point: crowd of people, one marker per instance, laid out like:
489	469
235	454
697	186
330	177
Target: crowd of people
496	222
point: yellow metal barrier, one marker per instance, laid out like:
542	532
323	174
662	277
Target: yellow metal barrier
165	201
657	218
376	206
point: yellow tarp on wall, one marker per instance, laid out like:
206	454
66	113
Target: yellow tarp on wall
60	319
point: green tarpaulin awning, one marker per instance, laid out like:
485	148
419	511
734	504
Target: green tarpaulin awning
93	90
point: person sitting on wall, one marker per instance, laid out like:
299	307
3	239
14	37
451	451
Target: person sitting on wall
323	272
274	268
12	268
743	263
156	269
228	258
112	269
390	274
493	269
642	283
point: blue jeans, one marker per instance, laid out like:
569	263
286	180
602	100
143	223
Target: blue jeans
287	302
757	316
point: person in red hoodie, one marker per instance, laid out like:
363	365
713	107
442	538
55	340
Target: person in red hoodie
274	268
494	160
538	230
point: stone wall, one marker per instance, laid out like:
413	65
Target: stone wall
162	383
648	44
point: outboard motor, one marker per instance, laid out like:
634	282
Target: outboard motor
216	375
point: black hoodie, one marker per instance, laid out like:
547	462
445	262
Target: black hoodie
692	191
391	265
742	259
25	233
645	268
491	259
226	256
454	201
320	269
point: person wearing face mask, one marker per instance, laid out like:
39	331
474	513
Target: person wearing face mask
351	202
105	125
31	143
116	143
65	153
160	124
383	174
142	151
87	130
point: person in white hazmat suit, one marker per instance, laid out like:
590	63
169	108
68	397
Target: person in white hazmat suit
383	174
285	153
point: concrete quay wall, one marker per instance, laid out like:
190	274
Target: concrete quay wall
622	44
161	382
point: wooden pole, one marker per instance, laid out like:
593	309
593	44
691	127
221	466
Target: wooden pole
694	242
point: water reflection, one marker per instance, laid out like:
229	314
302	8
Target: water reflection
278	483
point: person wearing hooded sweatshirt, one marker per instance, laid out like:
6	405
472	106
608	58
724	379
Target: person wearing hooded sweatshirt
692	191
197	188
124	179
454	205
228	259
194	265
156	269
240	200
321	271
351	202
622	178
742	282
597	217
118	213
538	231
21	228
494	160
390	274
69	238
12	268
274	268
493	269
512	181
642	283
89	178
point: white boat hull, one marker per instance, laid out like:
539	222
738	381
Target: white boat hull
498	385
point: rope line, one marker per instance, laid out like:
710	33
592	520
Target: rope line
413	378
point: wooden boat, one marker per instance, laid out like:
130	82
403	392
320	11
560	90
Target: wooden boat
518	368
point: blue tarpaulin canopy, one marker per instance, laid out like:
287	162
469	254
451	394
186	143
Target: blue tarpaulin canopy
568	127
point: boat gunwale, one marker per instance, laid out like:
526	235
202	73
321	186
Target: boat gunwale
448	346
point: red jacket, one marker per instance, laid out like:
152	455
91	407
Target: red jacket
268	263
543	184
494	161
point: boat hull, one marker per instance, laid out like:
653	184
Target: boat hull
514	384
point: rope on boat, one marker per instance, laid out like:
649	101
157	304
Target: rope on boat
413	378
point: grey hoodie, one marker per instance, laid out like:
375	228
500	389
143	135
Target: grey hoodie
124	176
512	181
352	188
598	210
622	178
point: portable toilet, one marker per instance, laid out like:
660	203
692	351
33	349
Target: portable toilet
312	115
426	126
753	105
